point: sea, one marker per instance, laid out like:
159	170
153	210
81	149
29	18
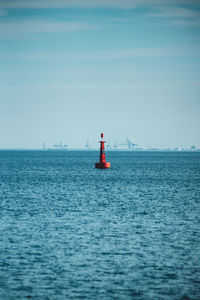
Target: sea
70	231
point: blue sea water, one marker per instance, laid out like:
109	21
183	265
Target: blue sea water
70	231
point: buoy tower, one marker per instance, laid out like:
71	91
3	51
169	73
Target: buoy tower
102	164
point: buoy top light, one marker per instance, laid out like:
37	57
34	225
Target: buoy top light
102	164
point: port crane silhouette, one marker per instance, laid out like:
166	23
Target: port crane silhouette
131	145
87	146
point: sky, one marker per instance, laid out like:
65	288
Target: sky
71	69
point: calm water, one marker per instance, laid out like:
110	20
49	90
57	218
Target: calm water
70	231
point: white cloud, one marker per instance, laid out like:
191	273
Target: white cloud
177	16
123	4
101	85
141	52
16	28
187	23
125	53
113	54
12	4
175	12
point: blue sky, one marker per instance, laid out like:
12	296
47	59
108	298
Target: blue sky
70	69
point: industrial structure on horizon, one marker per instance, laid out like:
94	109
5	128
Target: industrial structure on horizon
59	146
126	145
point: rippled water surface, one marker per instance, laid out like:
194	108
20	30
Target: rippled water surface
70	231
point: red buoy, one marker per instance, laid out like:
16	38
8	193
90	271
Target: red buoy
102	164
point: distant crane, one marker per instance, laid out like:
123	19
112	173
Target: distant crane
109	146
130	145
87	146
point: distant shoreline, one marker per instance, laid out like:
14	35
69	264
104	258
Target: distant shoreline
97	150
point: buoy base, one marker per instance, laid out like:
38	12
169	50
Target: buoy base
102	165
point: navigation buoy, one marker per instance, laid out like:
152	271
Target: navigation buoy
102	164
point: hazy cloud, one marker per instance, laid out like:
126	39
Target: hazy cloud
175	12
113	54
123	4
22	27
178	16
101	85
187	23
127	53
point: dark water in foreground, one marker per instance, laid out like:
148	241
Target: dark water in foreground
69	231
